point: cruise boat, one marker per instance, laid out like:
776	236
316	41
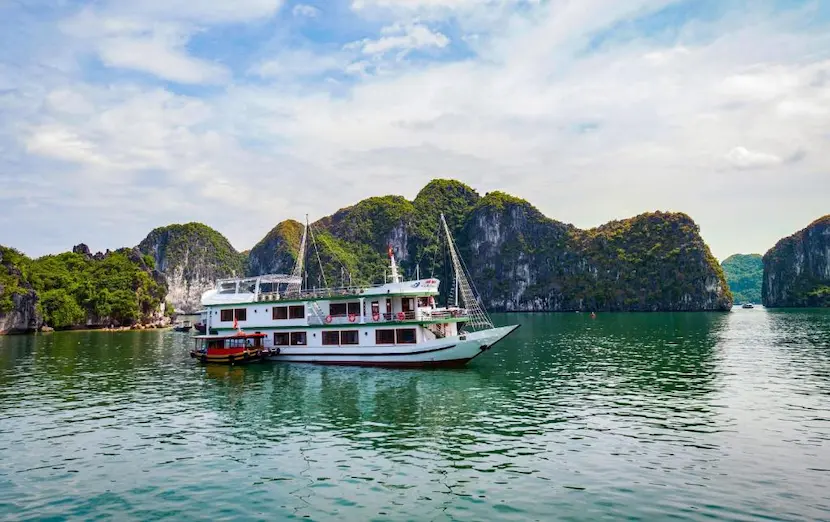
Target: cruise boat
396	324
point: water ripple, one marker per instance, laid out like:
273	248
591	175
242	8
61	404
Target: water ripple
645	416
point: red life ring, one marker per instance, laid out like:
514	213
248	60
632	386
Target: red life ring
352	318
375	316
401	316
328	319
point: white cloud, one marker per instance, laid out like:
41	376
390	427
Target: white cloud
742	158
199	11
305	10
151	36
299	63
406	38
434	4
159	57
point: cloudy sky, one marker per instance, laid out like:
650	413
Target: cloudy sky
120	116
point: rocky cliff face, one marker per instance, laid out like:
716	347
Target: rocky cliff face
191	257
519	259
797	268
523	261
18	301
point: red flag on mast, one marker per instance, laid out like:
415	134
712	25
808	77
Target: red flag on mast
235	323
391	253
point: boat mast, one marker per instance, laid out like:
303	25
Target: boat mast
294	288
478	316
396	278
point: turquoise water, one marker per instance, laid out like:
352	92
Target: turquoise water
637	416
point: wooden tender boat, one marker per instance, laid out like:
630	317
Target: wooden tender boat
237	348
183	326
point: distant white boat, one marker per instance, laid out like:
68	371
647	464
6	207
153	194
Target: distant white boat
395	324
747	305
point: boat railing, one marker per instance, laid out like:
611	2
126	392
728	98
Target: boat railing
319	293
387	317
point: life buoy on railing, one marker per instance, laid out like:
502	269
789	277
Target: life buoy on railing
328	319
375	316
352	318
401	316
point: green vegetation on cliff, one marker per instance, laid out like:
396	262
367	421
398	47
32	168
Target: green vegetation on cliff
655	261
74	288
13	280
279	246
174	245
745	274
797	268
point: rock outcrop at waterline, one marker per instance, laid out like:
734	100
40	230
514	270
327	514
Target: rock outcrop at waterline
18	300
797	268
519	259
191	257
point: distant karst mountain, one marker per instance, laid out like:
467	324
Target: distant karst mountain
191	257
797	268
520	260
745	275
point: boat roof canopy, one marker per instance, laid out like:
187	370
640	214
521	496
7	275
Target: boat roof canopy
238	335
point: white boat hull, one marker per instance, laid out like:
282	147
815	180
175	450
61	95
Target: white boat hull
447	352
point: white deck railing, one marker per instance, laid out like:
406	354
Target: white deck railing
393	317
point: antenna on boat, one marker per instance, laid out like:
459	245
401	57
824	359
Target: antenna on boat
477	314
294	288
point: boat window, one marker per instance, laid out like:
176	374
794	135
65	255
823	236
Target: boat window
405	335
407	304
337	309
241	314
298	339
247	286
423	302
281	339
375	308
279	312
226	315
384	336
388	306
296	312
227	288
354	308
349	337
331	338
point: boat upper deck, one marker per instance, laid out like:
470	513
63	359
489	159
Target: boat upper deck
267	289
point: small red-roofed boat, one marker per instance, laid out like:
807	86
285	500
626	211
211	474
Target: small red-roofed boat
237	348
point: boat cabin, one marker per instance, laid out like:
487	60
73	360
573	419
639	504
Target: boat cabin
230	348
